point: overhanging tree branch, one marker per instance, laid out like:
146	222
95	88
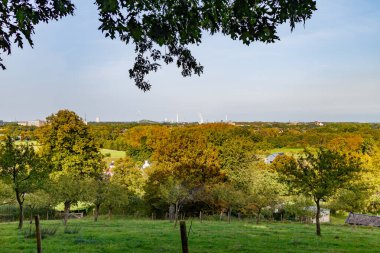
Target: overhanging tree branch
161	30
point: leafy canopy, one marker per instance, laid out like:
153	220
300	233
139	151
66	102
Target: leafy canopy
21	167
67	142
318	175
161	30
18	19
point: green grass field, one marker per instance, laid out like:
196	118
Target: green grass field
126	235
115	154
112	155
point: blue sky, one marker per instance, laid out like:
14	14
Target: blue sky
327	71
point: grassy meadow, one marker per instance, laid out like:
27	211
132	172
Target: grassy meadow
127	235
115	154
112	155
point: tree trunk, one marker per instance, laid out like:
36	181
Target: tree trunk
171	212
229	215
31	215
258	216
38	234
66	211
109	212
20	201
351	213
176	210
317	215
176	213
200	216
97	207
21	216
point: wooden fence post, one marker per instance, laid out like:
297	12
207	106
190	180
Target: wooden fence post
38	233
185	247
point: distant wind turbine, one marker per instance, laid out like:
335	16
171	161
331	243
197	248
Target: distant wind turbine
201	118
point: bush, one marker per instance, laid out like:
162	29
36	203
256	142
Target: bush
45	231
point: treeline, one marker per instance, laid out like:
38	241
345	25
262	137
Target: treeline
114	135
139	140
266	136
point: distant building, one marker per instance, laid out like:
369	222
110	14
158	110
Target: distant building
36	123
363	219
271	157
324	215
1	122
97	119
146	164
317	123
109	171
22	123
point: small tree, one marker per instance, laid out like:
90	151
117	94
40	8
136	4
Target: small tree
318	175
175	194
115	195
98	196
296	206
227	197
263	191
108	192
70	189
38	199
21	167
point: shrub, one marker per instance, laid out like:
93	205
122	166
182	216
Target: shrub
45	231
72	229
